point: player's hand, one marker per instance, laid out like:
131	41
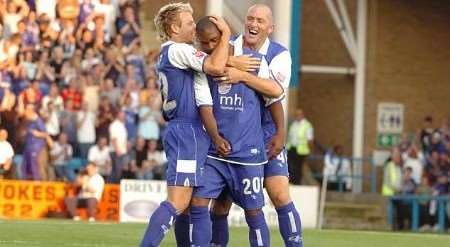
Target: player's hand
221	24
245	63
275	146
231	76
223	146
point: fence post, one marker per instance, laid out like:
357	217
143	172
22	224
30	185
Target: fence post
415	214
390	211
373	176
441	215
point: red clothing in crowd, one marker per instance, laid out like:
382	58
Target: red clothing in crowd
74	95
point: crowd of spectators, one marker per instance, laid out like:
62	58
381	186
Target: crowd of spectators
75	87
420	165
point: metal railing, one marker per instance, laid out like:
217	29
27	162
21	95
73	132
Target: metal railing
340	179
414	201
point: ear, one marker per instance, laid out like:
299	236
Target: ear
270	31
174	29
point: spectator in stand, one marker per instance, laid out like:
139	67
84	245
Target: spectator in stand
105	116
392	174
136	59
86	11
156	161
54	97
45	73
6	155
140	155
108	90
414	159
128	27
32	28
424	189
47	7
7	111
106	9
129	169
68	123
8	51
437	144
90	91
51	119
439	189
299	144
12	13
405	143
34	164
408	187
72	93
57	64
118	140
61	154
444	130
115	65
433	167
29	65
130	118
100	155
85	130
149	118
426	134
91	188
337	169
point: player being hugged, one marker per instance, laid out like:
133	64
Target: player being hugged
258	27
237	164
185	142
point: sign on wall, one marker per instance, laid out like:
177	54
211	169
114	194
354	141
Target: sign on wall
34	200
390	121
139	199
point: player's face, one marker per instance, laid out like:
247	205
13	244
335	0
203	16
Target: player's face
258	26
187	27
208	40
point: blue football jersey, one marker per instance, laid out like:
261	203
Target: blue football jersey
278	65
237	109
178	66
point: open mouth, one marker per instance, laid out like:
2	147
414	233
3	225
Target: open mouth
252	33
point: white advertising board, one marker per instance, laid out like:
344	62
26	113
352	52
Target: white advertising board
139	199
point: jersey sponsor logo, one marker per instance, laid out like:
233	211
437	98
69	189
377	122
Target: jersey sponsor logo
224	88
199	54
280	77
231	102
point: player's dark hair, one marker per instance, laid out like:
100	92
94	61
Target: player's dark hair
205	24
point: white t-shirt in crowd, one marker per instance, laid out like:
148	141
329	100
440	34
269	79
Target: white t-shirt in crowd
6	151
86	131
100	157
118	131
10	24
52	124
58	152
97	183
46	7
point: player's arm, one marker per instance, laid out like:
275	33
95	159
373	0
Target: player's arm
185	56
245	63
266	87
216	63
276	145
204	102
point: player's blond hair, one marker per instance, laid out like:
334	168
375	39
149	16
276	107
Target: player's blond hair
167	16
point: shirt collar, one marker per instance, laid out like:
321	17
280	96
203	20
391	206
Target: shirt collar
239	42
169	42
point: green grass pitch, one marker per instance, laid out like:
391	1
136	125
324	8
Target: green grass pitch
52	233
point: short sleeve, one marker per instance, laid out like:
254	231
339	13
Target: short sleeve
202	92
280	71
184	56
